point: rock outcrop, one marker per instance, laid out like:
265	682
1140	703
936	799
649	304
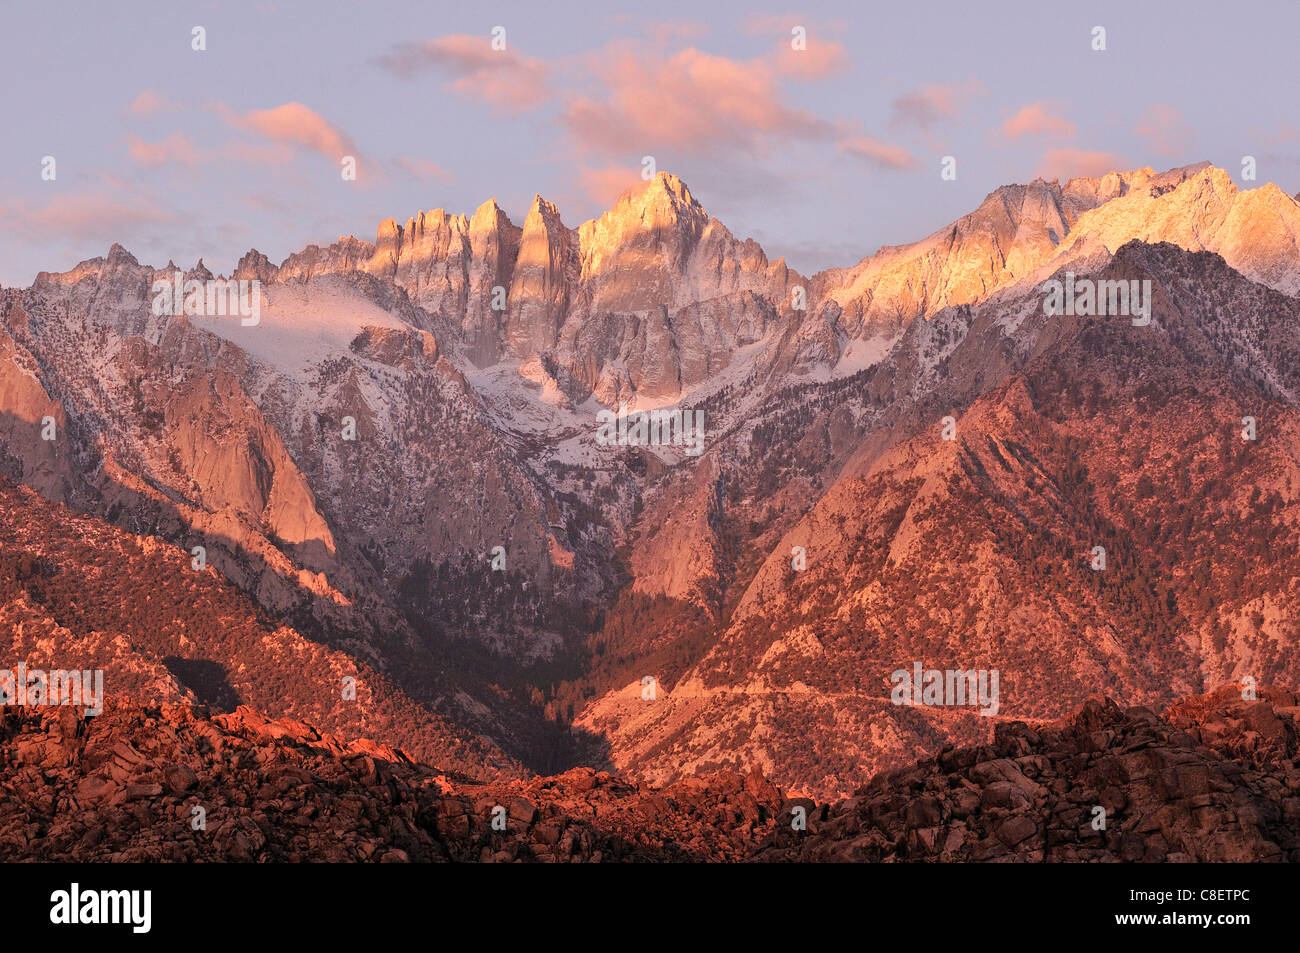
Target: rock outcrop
1215	779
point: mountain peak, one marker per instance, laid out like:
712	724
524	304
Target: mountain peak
543	209
117	255
675	187
664	187
255	265
489	217
663	202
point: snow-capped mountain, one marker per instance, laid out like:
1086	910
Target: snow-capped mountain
402	459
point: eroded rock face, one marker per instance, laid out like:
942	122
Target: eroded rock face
27	412
345	255
666	296
544	279
1215	779
597	297
236	460
232	436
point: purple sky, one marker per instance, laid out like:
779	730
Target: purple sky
822	155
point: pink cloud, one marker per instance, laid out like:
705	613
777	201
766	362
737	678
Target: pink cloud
422	169
93	216
1165	132
296	125
604	186
1035	120
690	100
1284	133
932	103
877	154
267	203
1068	162
821	58
509	81
149	102
175	148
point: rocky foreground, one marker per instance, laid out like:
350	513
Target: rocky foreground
1214	778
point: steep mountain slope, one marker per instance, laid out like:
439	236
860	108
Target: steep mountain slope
233	437
403	408
1022	229
976	553
77	594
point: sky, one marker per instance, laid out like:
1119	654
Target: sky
822	154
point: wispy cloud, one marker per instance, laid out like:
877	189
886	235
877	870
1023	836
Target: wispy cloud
1284	133
817	56
818	60
506	79
91	215
1165	132
878	154
932	103
1038	119
691	101
1067	162
422	169
604	185
176	148
149	103
296	125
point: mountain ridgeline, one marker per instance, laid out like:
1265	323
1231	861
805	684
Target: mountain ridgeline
395	476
